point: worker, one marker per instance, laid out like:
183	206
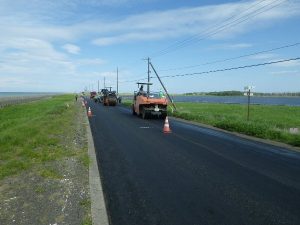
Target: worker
161	94
142	88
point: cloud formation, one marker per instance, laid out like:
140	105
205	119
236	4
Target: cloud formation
73	49
215	21
36	36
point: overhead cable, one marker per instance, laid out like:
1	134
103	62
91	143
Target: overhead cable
233	58
212	32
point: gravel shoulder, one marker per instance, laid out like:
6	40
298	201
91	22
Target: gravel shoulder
56	192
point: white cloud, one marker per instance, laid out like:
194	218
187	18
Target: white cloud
155	25
33	32
264	56
229	46
285	72
293	63
199	22
89	62
34	65
9	81
70	48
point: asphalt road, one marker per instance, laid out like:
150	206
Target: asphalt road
193	176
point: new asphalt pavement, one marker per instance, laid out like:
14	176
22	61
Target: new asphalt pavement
195	175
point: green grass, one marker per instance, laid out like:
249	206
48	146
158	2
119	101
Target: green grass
268	122
50	173
87	221
34	133
85	159
86	203
127	103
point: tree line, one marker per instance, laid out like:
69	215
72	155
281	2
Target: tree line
241	93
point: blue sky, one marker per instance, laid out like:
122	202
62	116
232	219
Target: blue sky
68	45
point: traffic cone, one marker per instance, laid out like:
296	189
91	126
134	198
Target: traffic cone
167	129
89	112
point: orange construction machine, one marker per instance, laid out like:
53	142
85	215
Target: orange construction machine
149	104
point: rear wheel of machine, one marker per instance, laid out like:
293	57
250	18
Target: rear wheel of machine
144	114
133	112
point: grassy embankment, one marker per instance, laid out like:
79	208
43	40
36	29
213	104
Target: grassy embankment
268	122
37	132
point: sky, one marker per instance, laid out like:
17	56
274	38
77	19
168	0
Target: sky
70	45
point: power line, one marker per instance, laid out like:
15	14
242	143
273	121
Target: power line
220	28
176	43
231	68
211	32
137	80
219	70
233	58
214	31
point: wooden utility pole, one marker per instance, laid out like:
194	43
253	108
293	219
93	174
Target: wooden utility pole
171	100
248	114
117	81
148	87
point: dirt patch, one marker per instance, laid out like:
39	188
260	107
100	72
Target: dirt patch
56	192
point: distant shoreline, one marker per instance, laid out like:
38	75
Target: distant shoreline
19	98
25	94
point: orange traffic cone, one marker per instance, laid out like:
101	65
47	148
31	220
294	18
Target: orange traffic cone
167	129
89	112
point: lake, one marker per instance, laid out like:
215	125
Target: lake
22	94
289	101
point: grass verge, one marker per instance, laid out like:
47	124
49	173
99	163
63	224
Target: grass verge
34	133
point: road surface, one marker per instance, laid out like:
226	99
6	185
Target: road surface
193	176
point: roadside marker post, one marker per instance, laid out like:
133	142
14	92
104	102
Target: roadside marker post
248	93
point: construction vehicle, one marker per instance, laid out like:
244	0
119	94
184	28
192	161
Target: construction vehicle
93	94
109	98
149	104
98	98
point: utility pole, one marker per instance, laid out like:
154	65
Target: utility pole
117	81
148	87
171	100
248	93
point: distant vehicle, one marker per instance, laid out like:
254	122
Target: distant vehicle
149	104
93	94
109	98
98	98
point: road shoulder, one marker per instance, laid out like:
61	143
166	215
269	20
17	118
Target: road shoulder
98	208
